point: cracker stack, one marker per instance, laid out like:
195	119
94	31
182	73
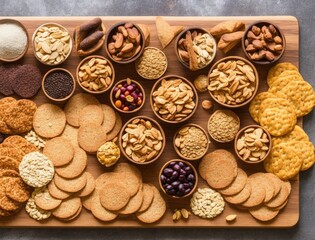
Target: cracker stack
263	194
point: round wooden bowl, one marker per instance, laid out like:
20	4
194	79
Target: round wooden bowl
260	24
240	134
176	148
183	35
51	24
113	30
154	124
58	99
138	61
256	82
112	96
3	21
188	164
88	59
169	77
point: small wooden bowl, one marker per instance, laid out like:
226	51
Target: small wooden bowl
52	25
154	124
176	148
58	99
240	134
169	77
256	82
87	59
183	35
260	24
13	21
112	96
138	61
113	30
188	164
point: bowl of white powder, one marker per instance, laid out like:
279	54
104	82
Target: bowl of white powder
14	40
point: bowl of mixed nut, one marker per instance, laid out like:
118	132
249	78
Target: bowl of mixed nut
52	44
173	99
124	42
233	81
127	96
191	142
178	178
195	48
142	140
95	74
263	43
253	144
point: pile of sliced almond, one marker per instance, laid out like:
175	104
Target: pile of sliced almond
253	145
52	44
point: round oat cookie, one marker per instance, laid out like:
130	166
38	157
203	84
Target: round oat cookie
5	108
258	192
7	203
21	143
91	114
17	190
148	194
267	183
49	120
131	175
108	177
278	121
36	169
114	196
99	211
115	131
68	208
263	213
74	216
9	173
281	206
76	104
283	162
109	118
10	151
20	117
91	137
71	134
281	197
87	201
8	163
89	187
59	150
208	158
75	167
134	203
71	185
55	192
240	197
45	201
276	70
237	185
255	104
156	210
276	182
220	171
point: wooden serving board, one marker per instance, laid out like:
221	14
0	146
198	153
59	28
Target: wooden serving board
289	215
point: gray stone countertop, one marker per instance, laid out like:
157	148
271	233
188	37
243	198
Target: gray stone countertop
303	10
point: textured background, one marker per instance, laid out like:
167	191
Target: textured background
302	9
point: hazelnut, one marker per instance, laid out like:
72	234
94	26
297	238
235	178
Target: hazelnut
256	30
272	29
206	104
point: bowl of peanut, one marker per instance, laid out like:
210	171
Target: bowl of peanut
253	144
95	74
124	42
173	99
263	43
195	48
233	82
142	140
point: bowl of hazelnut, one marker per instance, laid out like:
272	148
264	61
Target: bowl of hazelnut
263	43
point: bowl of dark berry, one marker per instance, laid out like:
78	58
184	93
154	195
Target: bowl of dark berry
178	178
127	96
58	84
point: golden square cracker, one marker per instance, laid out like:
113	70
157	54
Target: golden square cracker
283	162
256	102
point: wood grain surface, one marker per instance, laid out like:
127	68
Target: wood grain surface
288	216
